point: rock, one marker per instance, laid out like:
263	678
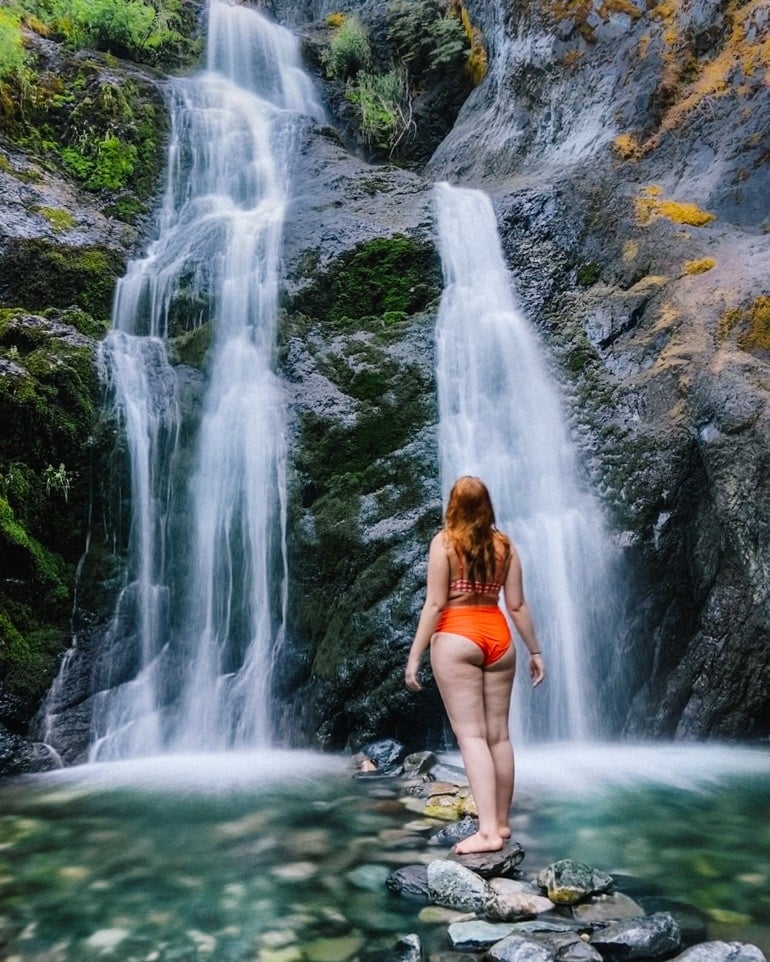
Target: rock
607	908
488	864
419	763
456	887
446	807
411	881
455	832
722	952
438	915
337	949
407	949
649	937
386	754
476	935
371	878
567	881
692	922
517	948
513	901
577	951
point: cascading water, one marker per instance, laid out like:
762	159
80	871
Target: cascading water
500	418
187	663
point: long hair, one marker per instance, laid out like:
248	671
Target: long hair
469	523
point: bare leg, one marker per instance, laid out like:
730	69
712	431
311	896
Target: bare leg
497	684
457	668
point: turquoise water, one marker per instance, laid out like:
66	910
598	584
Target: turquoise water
281	857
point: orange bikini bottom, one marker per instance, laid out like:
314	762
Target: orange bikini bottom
484	625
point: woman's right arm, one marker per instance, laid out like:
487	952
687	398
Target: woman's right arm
518	609
435	601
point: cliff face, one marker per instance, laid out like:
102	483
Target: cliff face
625	148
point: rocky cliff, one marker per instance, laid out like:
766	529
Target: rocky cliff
625	148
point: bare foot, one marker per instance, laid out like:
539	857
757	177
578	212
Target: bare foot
504	831
478	843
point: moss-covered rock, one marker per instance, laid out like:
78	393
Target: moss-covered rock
48	393
363	494
40	274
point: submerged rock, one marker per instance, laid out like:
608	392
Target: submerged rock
567	881
651	937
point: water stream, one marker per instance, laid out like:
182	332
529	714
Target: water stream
283	856
501	418
187	661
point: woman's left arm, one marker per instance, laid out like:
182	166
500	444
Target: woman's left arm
435	600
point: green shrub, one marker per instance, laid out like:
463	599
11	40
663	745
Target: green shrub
384	104
349	50
130	28
12	53
427	41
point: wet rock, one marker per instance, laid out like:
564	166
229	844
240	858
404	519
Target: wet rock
517	948
455	833
577	951
722	952
567	881
692	922
419	763
410	881
456	887
607	908
488	864
371	878
649	937
476	935
386	754
513	901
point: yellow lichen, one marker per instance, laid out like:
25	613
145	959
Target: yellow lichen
757	335
335	20
651	205
477	63
700	266
739	58
626	146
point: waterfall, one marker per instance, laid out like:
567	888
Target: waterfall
501	418
188	657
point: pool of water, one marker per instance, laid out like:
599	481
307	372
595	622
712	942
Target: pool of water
282	856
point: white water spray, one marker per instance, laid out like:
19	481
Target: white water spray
189	654
500	418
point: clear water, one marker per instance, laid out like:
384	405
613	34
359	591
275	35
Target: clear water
282	856
187	661
501	417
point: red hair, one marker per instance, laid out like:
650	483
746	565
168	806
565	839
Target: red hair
469	523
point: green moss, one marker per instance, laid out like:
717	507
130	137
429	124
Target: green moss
40	274
191	347
59	219
587	274
379	277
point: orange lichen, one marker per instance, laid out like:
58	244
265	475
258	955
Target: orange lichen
700	266
335	20
651	205
477	63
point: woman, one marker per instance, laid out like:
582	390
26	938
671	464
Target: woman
471	650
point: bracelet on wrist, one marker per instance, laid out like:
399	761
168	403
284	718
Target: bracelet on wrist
532	653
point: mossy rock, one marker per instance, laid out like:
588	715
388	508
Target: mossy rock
385	278
48	394
40	274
